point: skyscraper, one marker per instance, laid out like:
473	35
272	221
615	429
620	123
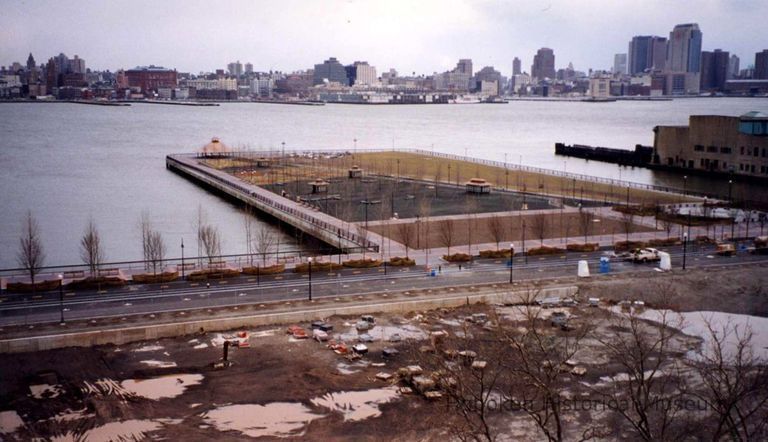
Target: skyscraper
620	64
714	69
733	66
684	60
464	66
646	52
235	69
543	64
30	62
684	50
77	65
516	66
761	65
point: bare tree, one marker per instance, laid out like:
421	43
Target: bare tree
446	230
652	375
540	226
152	243
585	223
210	239
31	254
667	224
627	223
496	229
265	242
91	251
406	233
248	224
734	383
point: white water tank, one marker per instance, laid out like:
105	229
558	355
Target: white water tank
666	262
583	269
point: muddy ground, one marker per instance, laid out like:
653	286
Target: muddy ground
279	387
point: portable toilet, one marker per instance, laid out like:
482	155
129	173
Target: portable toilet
583	269
605	264
665	262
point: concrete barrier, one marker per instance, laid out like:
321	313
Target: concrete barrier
124	335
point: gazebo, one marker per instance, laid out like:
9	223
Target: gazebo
214	148
478	185
355	172
319	186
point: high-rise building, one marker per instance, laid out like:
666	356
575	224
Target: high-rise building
646	52
488	75
543	64
151	78
364	74
464	66
761	65
620	64
248	68
330	70
714	69
516	67
30	62
733	66
235	68
683	67
77	65
684	50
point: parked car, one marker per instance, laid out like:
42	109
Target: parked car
644	255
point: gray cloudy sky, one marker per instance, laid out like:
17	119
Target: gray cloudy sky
419	35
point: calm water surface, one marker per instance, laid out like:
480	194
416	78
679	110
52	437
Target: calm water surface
69	162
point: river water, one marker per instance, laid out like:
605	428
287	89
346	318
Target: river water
68	162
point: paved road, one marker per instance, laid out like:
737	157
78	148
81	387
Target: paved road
145	299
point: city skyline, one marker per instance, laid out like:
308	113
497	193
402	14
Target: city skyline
194	38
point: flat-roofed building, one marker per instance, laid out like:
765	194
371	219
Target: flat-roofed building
714	143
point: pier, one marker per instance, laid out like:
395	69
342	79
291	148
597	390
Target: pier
319	225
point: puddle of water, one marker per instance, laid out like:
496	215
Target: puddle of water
148	348
159	364
130	430
278	419
161	387
10	422
357	405
345	368
44	390
385	332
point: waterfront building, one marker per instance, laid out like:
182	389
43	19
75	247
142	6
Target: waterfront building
361	73
488	75
224	84
331	71
77	65
150	78
749	87
646	52
516	67
714	143
620	64
714	70
600	87
761	65
543	64
733	67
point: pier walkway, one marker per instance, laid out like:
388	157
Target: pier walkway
333	231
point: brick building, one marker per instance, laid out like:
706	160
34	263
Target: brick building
151	78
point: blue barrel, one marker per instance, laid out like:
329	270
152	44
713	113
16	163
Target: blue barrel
605	264
433	273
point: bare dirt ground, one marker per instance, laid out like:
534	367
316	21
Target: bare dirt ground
291	389
555	224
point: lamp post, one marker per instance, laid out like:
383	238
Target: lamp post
525	256
730	188
511	261
685	184
685	247
182	258
310	278
61	298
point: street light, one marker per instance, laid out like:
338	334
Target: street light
511	261
310	278
182	258
525	256
61	298
685	247
730	187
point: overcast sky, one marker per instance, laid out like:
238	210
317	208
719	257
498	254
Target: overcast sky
421	36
